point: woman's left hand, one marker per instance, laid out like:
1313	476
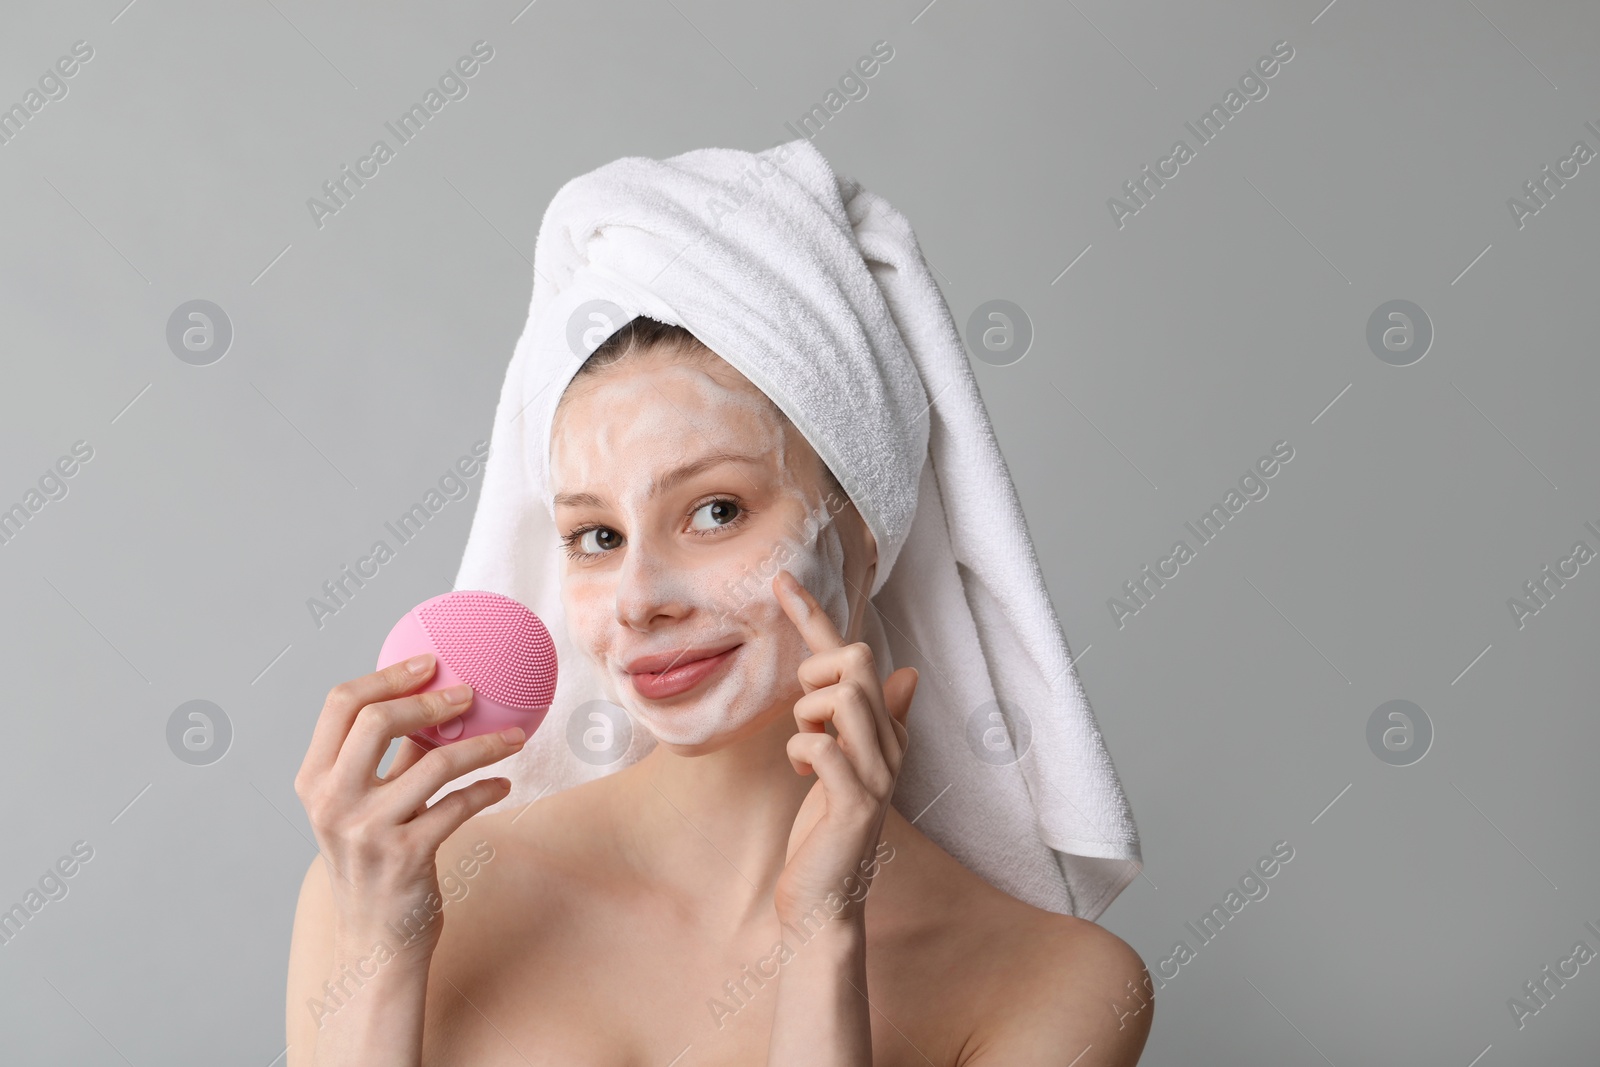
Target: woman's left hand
837	830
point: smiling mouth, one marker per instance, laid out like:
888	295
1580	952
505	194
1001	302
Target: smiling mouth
679	674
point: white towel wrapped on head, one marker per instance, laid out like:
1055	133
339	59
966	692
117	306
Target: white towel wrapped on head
817	292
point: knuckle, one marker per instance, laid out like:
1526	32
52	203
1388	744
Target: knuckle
358	834
341	695
395	677
441	708
319	813
451	761
859	655
433	706
455	807
310	794
376	717
436	708
368	839
414	844
435	763
456	757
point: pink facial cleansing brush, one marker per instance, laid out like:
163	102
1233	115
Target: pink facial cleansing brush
490	642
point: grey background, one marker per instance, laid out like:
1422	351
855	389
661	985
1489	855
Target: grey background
1226	315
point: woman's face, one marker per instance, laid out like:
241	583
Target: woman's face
679	492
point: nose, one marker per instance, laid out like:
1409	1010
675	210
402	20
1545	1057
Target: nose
650	587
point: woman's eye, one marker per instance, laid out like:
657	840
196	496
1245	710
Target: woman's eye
717	512
597	540
587	545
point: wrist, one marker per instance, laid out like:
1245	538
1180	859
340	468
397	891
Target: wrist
834	939
820	1014
368	950
834	913
360	1017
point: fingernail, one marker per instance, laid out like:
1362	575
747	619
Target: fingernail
512	734
418	664
457	694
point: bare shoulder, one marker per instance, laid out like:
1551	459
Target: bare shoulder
1024	986
1072	992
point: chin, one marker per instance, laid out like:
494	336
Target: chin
723	739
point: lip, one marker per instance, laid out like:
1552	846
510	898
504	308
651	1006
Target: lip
685	669
660	661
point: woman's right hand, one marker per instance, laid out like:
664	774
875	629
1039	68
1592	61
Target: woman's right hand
378	834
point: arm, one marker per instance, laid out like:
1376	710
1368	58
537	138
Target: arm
822	1015
349	1004
370	914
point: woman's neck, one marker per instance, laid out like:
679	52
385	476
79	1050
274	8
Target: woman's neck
713	829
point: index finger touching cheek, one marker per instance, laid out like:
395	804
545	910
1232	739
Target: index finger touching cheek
802	608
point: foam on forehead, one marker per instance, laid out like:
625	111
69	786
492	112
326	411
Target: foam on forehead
661	417
645	338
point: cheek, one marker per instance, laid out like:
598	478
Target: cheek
818	563
737	587
589	606
819	566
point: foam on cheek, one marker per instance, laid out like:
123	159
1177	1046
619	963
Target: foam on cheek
730	596
739	592
818	563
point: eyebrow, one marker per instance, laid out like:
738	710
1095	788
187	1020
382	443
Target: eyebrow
667	481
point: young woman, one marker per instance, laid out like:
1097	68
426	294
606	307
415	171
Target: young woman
745	893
